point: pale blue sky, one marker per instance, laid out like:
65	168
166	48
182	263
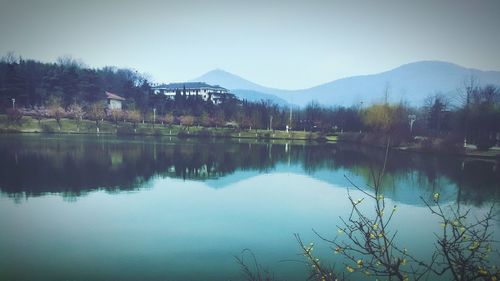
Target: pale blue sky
283	44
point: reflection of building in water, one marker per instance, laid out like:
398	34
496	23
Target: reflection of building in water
81	165
203	172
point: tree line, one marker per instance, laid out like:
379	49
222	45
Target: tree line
68	88
32	83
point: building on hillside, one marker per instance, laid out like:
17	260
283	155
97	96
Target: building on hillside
191	89
114	101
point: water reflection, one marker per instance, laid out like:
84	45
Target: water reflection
74	165
196	203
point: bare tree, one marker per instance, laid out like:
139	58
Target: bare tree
96	113
387	92
116	116
76	111
468	86
9	58
435	107
14	115
39	113
187	121
56	111
134	116
465	245
69	61
253	271
370	247
169	119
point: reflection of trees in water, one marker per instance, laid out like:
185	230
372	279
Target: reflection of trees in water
75	165
69	166
474	181
480	181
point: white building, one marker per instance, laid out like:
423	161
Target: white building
114	101
191	89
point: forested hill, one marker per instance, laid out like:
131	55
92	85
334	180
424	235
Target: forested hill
31	83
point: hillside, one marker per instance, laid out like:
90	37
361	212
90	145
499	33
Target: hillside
411	82
255	96
242	88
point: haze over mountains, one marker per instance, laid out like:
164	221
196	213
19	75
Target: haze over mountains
411	83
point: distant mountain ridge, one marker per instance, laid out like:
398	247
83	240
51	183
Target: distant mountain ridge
411	82
241	87
255	96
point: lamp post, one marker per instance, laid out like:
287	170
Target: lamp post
154	117
412	119
13	103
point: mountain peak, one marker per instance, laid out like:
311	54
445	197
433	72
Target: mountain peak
226	79
410	82
217	71
433	64
241	87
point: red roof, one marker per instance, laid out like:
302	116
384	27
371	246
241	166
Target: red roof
112	96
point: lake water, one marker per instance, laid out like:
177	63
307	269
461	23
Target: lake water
106	208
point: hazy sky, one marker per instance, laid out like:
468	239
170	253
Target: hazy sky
283	44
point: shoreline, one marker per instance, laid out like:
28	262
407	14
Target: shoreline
86	127
492	154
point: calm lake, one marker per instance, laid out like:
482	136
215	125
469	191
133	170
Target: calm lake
107	208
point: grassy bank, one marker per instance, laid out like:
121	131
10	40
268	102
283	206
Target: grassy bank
69	126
